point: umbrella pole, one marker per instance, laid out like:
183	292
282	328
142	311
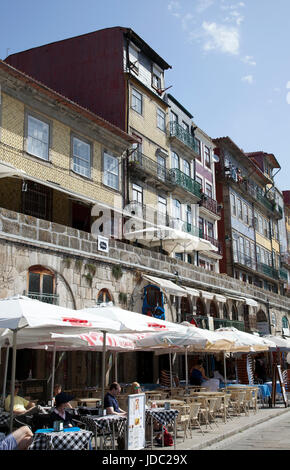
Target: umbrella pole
13	371
53	373
5	374
116	367
170	367
186	370
103	367
225	370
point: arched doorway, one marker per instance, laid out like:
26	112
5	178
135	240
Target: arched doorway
200	308
235	315
41	284
226	312
285	326
153	302
185	307
262	323
213	310
104	296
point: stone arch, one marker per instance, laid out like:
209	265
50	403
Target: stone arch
235	313
213	309
226	314
105	295
200	307
262	322
285	322
186	308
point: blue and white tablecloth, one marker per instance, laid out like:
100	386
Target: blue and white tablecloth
63	440
161	415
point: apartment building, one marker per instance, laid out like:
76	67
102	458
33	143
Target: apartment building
285	242
250	215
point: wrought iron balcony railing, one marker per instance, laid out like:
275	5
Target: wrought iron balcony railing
139	161
283	274
176	130
213	241
47	298
210	204
225	323
251	263
185	182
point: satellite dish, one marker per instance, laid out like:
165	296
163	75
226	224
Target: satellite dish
215	158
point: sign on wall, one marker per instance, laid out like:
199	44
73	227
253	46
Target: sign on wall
136	421
103	244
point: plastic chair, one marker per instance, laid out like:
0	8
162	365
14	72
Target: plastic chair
183	419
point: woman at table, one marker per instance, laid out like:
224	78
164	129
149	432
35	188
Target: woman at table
58	389
59	413
197	374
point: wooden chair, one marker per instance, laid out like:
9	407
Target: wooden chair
225	407
238	401
183	419
195	416
252	398
211	410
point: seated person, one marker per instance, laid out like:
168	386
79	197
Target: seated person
59	413
135	388
20	439
197	374
56	390
21	405
110	401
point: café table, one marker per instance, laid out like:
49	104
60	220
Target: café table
108	424
163	417
86	401
4	418
173	402
68	439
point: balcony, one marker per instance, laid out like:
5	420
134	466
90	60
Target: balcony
283	274
225	323
210	204
258	266
213	241
147	169
184	137
47	298
285	259
185	182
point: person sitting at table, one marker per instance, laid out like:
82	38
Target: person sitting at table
111	404
198	377
20	439
56	390
21	405
59	413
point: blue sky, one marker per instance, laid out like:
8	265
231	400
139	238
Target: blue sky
230	59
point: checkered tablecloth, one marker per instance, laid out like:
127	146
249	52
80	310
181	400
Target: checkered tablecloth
161	415
4	418
104	423
77	440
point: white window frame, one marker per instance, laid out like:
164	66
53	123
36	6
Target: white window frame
185	163
33	116
175	158
133	53
156	74
233	205
161	120
115	173
78	168
137	191
137	100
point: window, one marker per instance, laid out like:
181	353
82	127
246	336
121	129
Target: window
160	119
207	156
186	167
111	171
137	101
208	190
174	117
162	205
41	284
37	201
176	209
156	77
175	160
104	296
188	217
197	147
246	214
137	193
81	157
37	137
233	205
185	126
210	231
200	225
161	167
198	179
133	59
240	209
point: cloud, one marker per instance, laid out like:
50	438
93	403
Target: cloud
203	5
249	60
248	78
173	7
221	38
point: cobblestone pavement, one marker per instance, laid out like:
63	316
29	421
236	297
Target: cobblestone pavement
233	427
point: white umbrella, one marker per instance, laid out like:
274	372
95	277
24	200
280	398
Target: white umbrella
19	312
280	343
172	239
245	341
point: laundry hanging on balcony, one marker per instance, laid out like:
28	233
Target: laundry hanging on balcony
171	240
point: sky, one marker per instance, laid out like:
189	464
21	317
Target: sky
230	59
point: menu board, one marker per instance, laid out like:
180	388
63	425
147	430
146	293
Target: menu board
136	421
282	385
